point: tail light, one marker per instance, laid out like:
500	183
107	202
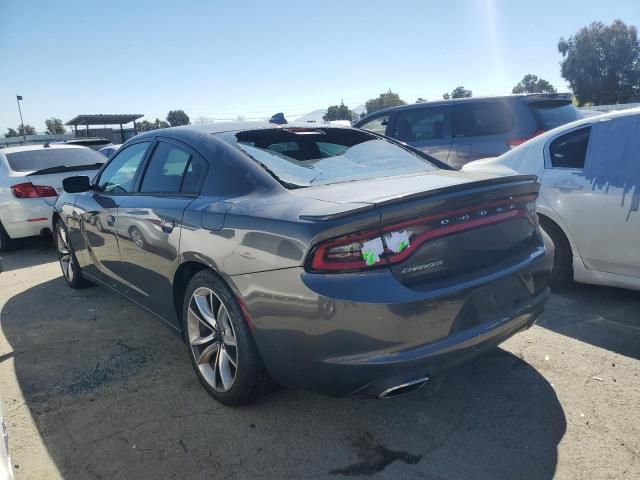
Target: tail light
29	190
392	244
514	142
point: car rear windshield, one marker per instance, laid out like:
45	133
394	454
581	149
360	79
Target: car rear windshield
32	160
553	113
301	157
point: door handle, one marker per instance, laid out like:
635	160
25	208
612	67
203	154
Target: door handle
568	187
167	224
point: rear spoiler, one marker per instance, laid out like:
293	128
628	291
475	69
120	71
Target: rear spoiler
546	97
87	142
67	168
476	187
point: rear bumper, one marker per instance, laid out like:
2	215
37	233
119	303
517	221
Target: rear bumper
429	360
25	217
360	334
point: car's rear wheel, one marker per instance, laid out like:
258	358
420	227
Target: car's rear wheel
220	344
71	270
5	240
562	272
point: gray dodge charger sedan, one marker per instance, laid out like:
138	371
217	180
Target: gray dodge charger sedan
329	259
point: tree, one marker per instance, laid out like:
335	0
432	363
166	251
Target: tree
338	112
385	100
602	63
202	120
146	125
532	84
177	118
28	130
54	126
458	92
421	100
11	133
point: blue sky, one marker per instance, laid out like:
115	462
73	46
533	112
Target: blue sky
254	58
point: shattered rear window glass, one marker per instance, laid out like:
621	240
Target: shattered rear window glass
302	157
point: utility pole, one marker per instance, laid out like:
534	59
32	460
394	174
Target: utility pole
24	134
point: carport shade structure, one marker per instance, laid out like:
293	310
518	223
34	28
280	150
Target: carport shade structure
105	119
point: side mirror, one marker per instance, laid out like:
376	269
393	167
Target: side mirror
77	184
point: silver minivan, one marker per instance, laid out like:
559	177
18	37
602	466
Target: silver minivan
461	130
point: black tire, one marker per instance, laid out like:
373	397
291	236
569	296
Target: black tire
71	271
5	240
562	273
251	380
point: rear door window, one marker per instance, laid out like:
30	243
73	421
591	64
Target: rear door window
477	119
377	125
551	114
422	124
570	150
169	168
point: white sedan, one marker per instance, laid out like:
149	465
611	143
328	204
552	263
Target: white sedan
589	199
30	180
6	469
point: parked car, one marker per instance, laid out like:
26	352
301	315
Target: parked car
590	176
329	259
109	149
461	130
94	143
30	180
6	468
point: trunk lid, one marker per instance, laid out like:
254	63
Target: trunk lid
456	226
53	177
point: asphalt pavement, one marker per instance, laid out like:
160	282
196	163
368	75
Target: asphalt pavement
94	387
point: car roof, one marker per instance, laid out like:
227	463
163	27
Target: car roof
29	148
451	101
591	120
517	155
222	127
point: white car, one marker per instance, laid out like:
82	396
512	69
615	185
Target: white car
589	199
6	469
30	180
109	150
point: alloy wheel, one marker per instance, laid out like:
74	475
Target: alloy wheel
64	254
136	236
212	339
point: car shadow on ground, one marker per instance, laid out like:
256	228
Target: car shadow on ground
605	317
27	252
112	394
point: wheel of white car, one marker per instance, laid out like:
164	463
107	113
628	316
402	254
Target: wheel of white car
71	270
5	240
562	272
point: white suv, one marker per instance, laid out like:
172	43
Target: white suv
30	180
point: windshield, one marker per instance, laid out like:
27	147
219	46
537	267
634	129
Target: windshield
301	157
552	114
40	159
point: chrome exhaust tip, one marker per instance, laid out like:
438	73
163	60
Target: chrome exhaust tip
404	388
